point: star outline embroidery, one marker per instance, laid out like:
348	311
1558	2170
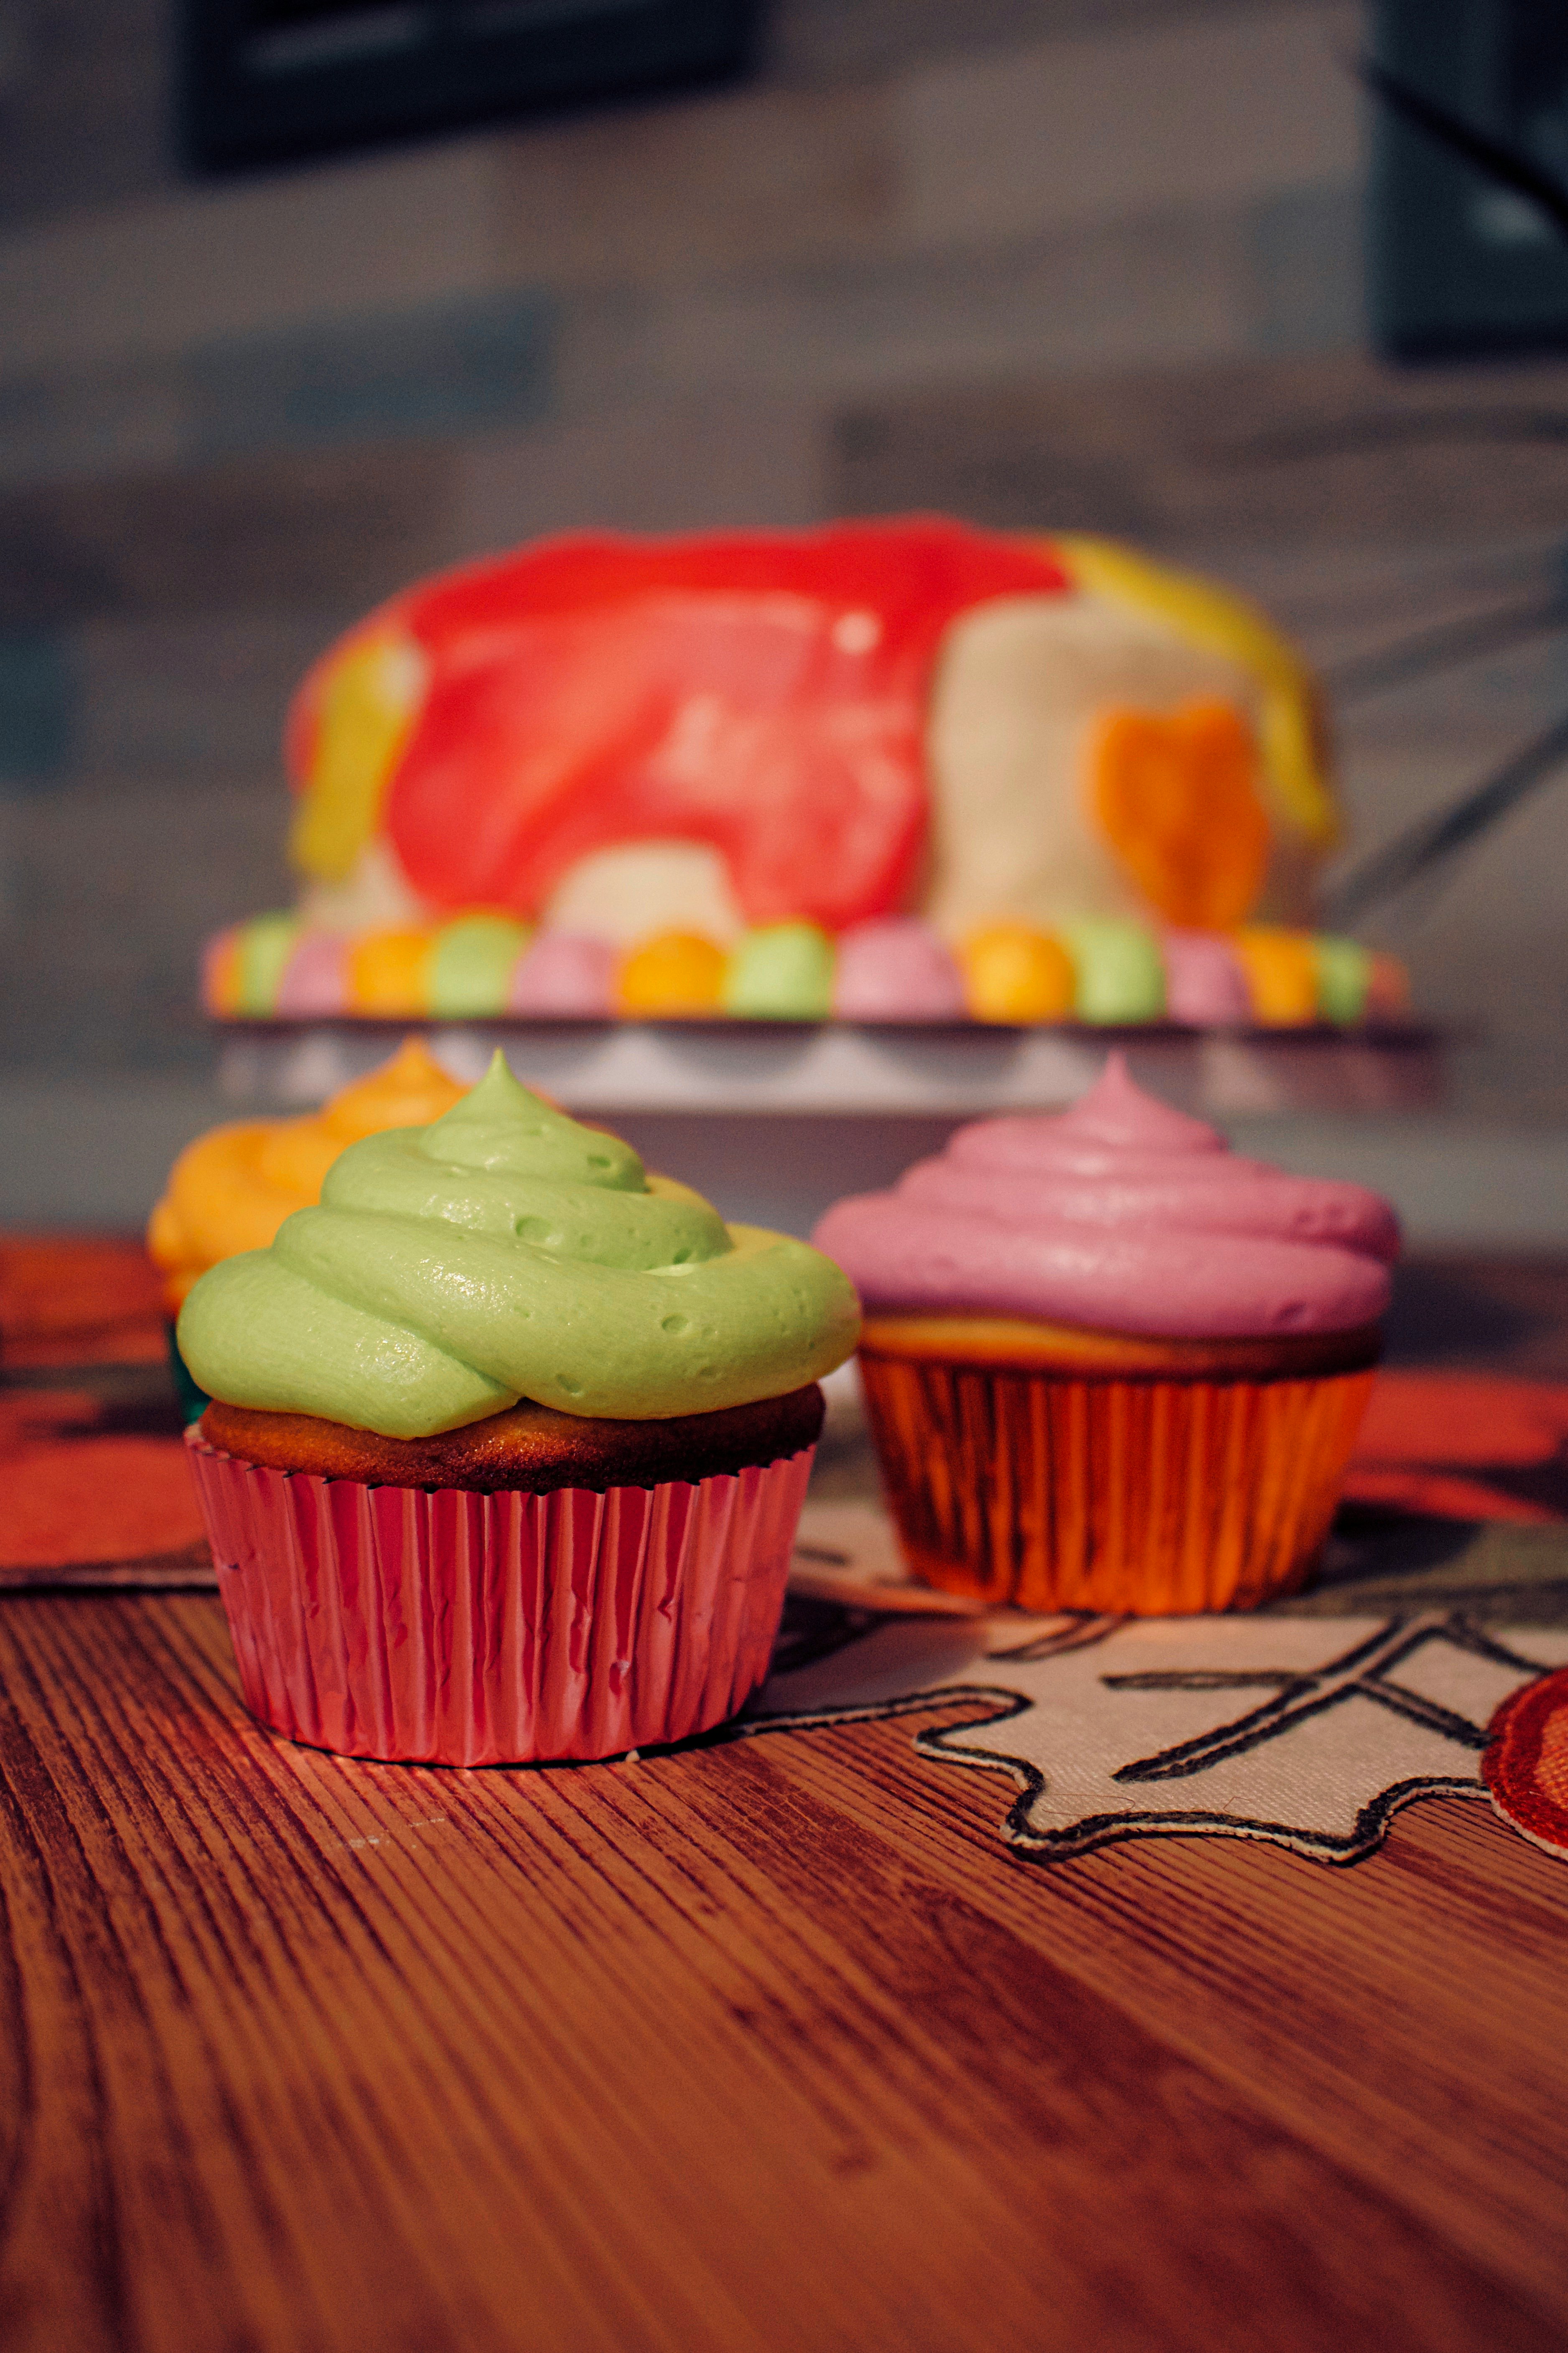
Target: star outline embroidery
941	1742
1364	1672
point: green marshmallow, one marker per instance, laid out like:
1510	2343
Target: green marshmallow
782	972
1121	974
1345	977
265	944
471	966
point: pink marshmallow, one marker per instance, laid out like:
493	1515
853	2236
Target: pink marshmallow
896	969
566	973
1205	983
315	980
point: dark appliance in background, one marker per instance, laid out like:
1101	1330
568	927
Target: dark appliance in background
264	80
1465	257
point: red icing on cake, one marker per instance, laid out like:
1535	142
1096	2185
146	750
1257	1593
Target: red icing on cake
594	691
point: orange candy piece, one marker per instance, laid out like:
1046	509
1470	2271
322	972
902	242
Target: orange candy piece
1176	795
1013	973
220	976
388	974
678	973
1281	971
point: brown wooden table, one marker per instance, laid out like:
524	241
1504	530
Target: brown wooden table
767	2047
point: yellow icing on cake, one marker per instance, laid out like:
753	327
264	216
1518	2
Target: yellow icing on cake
1210	616
370	697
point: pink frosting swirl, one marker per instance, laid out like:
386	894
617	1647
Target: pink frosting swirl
1121	1215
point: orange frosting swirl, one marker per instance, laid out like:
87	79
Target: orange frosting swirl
232	1189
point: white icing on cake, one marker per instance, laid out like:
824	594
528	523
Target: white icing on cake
642	888
1021	684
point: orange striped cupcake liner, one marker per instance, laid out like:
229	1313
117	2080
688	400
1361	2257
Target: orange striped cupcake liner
1145	1497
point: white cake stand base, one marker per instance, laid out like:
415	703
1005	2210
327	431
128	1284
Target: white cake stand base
857	1069
773	1120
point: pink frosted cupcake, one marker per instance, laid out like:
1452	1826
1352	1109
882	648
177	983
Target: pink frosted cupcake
507	1444
1110	1365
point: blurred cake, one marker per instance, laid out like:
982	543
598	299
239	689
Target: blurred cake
883	771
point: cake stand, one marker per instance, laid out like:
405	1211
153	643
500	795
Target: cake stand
775	1119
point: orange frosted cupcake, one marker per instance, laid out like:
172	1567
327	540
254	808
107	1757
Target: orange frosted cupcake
232	1189
1109	1364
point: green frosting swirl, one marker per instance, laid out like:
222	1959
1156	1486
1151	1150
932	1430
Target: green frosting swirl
507	1252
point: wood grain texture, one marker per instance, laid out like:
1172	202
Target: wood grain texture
767	2047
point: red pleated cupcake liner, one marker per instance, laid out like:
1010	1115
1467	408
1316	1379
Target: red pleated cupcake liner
1146	1497
443	1626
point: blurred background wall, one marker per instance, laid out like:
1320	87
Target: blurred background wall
1081	263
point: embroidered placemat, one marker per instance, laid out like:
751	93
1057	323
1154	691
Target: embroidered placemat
1309	1731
